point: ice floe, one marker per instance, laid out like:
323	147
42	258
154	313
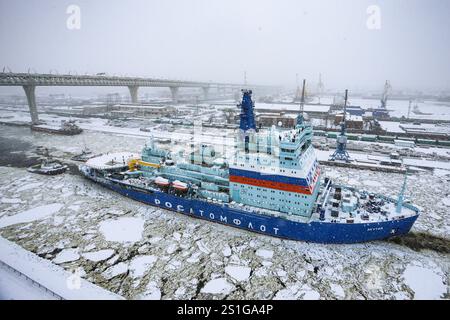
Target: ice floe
97	256
218	286
116	270
141	264
31	214
67	255
426	283
29	186
265	254
152	292
238	273
124	229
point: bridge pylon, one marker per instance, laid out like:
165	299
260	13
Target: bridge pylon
174	91
205	93
31	97
134	93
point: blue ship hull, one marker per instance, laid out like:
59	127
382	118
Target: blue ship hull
315	231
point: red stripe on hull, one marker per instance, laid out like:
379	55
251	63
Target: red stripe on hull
271	185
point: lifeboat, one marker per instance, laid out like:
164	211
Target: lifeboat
160	181
180	186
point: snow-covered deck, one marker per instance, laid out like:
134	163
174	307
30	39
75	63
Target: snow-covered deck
111	160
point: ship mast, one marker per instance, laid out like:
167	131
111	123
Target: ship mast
302	104
401	196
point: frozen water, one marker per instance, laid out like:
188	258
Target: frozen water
116	270
265	254
238	273
152	292
218	286
31	214
29	186
97	256
67	255
426	283
10	200
124	229
141	264
372	183
446	201
337	290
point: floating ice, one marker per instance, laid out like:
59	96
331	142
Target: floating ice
31	215
265	254
218	286
97	256
426	283
139	265
11	200
67	255
372	183
152	292
29	186
286	294
311	294
123	229
337	290
115	270
446	201
226	251
239	273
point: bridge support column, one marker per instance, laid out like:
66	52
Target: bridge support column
134	93
174	91
31	97
205	92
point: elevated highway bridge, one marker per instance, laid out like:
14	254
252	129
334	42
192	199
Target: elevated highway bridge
29	82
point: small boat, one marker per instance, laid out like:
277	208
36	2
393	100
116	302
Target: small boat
180	186
84	156
48	167
160	181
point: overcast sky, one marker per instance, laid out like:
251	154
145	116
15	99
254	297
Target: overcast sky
219	39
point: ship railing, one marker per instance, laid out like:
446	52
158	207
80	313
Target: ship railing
383	197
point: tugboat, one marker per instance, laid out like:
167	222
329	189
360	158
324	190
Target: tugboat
48	167
271	185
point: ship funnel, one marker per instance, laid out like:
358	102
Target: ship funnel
247	116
